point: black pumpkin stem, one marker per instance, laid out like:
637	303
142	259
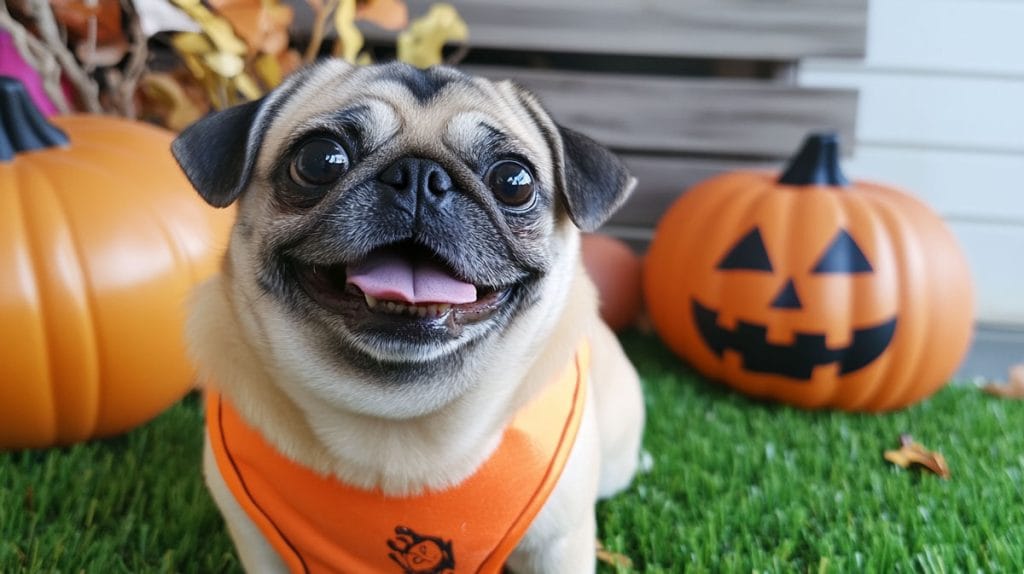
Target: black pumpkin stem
22	126
817	163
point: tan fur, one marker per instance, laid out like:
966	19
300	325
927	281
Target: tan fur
332	418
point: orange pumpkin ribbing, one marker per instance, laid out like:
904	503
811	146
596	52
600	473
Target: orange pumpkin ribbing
761	329
103	240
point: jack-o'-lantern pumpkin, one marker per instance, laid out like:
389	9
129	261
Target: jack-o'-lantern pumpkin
810	289
101	239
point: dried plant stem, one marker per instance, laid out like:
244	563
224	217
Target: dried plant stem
458	55
136	66
316	39
91	39
87	88
37	56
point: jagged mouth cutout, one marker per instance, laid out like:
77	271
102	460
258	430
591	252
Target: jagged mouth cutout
809	349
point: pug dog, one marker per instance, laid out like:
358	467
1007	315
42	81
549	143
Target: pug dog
402	301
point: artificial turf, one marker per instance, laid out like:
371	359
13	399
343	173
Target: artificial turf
735	486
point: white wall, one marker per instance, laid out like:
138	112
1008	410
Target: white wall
942	115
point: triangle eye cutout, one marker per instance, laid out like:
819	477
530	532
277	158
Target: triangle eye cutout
748	254
843	256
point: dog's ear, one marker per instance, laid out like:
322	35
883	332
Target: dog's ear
218	152
595	183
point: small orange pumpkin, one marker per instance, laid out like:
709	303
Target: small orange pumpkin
101	239
615	271
811	290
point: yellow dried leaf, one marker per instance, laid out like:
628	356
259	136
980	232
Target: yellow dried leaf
912	453
195	66
168	94
350	39
191	43
422	43
268	70
248	87
223	36
223	64
1014	389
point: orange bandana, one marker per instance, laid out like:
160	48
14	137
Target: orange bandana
318	524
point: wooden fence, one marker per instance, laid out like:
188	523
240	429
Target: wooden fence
681	89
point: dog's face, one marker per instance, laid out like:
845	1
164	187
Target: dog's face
399	218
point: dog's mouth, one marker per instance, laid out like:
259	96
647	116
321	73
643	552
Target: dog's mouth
402	290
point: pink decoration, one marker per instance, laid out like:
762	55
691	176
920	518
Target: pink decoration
12	65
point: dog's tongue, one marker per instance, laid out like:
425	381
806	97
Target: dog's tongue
390	276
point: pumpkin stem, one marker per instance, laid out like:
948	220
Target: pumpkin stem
817	163
22	126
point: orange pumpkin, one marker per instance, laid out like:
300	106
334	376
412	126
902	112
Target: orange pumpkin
811	290
615	271
101	239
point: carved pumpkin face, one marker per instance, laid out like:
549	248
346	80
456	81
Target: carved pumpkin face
800	340
821	294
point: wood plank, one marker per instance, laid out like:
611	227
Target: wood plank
957	184
725	117
661	180
989	248
972	37
928	110
744	29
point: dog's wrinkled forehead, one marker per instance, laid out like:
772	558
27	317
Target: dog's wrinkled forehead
418	109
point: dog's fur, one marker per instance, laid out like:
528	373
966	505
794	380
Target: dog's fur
353	403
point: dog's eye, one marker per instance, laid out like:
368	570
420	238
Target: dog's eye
511	182
320	161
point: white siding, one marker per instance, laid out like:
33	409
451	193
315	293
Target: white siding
942	115
996	256
963	36
971	185
929	109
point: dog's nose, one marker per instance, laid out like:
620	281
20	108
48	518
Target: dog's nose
417	177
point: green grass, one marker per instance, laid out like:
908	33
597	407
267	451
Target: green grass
736	485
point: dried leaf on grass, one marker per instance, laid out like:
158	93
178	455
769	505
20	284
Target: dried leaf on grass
612	558
1014	389
912	453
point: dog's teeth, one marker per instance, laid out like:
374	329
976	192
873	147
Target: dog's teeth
411	309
